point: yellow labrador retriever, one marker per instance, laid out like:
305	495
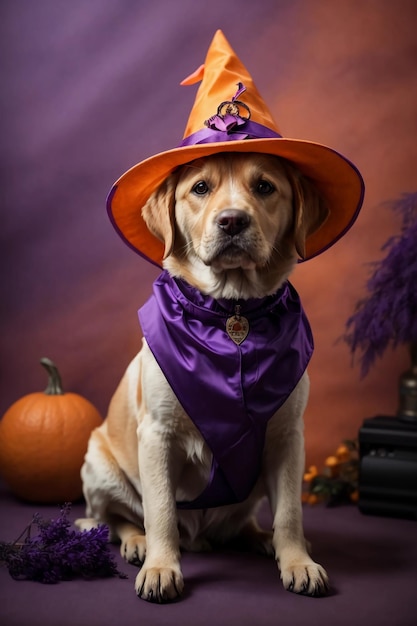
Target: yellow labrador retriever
233	225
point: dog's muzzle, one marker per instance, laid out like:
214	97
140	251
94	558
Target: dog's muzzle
233	221
234	244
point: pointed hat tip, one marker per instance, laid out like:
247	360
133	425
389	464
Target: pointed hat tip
198	74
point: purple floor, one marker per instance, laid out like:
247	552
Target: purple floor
372	562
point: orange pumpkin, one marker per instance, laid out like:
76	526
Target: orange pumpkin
43	440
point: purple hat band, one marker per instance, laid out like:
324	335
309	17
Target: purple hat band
229	125
247	130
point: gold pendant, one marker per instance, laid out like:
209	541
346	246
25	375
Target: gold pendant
237	326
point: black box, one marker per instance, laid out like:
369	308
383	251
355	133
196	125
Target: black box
388	467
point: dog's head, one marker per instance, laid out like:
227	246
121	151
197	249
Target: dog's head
234	224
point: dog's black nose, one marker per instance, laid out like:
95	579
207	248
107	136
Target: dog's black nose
233	221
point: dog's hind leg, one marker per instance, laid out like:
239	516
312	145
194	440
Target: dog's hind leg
112	500
132	538
133	541
252	538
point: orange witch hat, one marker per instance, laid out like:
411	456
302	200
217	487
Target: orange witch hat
229	115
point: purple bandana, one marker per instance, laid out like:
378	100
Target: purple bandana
229	391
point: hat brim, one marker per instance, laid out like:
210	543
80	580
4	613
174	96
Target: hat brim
336	178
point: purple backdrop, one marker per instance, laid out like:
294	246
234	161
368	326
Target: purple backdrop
90	88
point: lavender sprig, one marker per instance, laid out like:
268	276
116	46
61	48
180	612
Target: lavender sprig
388	315
58	553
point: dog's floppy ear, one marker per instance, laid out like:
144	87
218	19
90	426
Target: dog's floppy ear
159	213
310	211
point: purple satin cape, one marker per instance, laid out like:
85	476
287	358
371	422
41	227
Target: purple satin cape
229	391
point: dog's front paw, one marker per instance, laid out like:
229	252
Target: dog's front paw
133	549
159	584
306	577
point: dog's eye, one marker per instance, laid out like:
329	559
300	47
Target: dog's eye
264	188
200	188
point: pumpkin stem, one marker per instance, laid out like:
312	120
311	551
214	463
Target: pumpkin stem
54	387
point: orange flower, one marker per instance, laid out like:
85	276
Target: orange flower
354	496
310	474
343	453
332	466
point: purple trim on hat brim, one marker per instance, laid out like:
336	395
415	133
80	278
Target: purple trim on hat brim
249	130
109	199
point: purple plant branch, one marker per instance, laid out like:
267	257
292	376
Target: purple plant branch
388	314
59	553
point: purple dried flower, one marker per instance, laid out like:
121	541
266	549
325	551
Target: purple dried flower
388	315
59	553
